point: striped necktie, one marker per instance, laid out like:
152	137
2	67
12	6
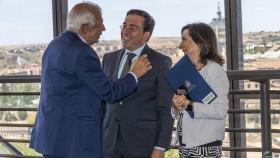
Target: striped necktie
127	64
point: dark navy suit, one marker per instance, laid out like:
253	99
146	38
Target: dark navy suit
143	118
68	121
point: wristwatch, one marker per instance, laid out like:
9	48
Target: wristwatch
190	106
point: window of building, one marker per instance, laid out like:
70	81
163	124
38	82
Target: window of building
170	18
167	32
26	29
261	51
24	35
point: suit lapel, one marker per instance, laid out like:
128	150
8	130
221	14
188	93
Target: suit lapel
117	63
118	59
146	50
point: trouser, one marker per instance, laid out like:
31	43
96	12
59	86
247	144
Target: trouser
200	151
121	150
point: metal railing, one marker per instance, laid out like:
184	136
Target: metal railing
5	141
261	76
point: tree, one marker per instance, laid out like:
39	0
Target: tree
1	115
260	49
9	117
274	119
22	115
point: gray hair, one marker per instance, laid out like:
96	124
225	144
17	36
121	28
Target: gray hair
80	14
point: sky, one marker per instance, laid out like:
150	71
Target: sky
30	21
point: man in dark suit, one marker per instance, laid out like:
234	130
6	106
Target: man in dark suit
140	125
68	122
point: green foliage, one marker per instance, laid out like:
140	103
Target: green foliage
274	119
4	149
4	88
8	116
256	50
1	114
253	118
172	153
23	148
31	118
249	51
22	115
260	49
18	101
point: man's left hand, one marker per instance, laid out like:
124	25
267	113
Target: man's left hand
157	154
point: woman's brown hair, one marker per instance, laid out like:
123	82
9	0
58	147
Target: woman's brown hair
204	36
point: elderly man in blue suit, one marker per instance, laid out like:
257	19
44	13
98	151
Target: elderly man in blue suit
73	85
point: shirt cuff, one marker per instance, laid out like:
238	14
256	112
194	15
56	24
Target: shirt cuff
174	113
136	79
159	148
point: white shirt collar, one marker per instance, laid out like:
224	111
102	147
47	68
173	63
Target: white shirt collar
82	38
137	51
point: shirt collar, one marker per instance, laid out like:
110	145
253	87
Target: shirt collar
79	36
82	38
137	51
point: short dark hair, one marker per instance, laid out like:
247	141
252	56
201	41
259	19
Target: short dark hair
204	36
149	22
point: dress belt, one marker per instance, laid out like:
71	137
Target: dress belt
214	143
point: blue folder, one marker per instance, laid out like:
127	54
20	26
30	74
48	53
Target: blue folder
184	78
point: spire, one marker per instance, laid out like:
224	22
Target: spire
219	13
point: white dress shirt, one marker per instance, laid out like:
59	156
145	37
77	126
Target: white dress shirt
137	53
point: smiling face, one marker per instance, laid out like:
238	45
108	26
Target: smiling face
189	47
132	33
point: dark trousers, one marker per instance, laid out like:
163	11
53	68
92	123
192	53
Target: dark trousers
121	150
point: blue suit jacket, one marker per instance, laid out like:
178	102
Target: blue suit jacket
68	121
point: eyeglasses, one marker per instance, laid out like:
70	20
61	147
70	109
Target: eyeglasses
130	28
